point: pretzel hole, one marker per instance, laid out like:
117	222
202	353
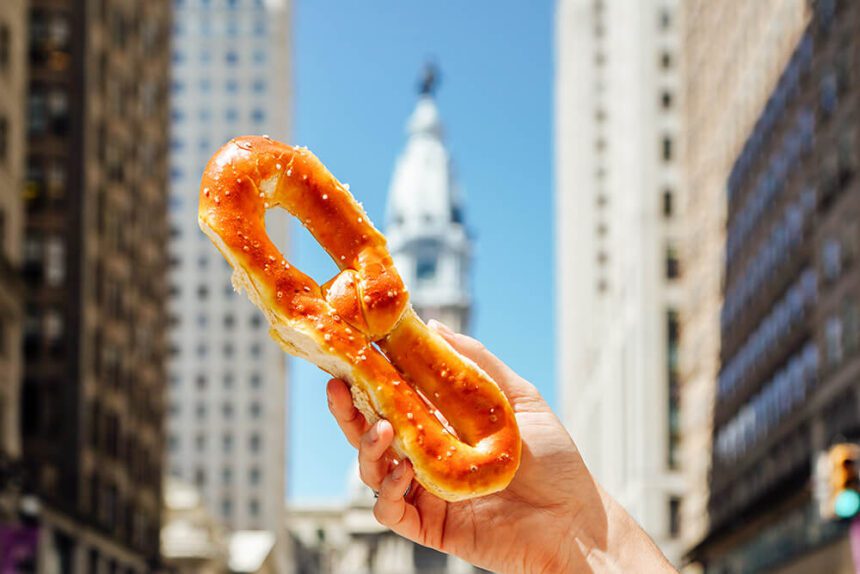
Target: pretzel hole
288	238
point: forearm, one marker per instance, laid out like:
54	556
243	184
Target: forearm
607	539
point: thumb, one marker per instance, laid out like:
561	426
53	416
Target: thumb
516	388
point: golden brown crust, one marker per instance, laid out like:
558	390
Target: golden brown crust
342	325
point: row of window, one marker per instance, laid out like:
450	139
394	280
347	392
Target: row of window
777	398
228	380
231	57
785	238
255	441
229	320
231	4
227	507
202	26
203	290
783	96
782	163
227	350
231	86
785	315
231	114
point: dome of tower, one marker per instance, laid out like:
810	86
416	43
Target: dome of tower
423	187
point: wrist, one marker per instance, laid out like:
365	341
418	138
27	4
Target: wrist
609	540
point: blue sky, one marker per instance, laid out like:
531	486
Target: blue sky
356	69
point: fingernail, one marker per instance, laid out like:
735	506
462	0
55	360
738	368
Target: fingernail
374	432
398	471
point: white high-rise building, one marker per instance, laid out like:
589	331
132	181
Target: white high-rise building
228	395
424	224
619	187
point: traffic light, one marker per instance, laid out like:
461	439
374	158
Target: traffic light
838	482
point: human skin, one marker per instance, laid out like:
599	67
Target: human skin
553	517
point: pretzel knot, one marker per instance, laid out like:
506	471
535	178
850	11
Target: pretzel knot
449	417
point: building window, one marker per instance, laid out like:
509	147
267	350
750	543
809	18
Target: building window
674	517
833	336
258	115
201	411
831	259
227	442
229	321
254	507
55	261
254	442
256	409
199	476
200	442
425	268
666	100
228	381
202	292
226	475
227	410
668	203
673	263
668	148
256	349
256	321
256	381
201	382
254	475
665	19
673	336
5	47
4	139
666	60
226	507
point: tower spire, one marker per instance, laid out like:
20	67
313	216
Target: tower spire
425	229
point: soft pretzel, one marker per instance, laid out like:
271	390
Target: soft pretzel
449	417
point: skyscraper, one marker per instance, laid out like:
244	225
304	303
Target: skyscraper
790	321
13	76
94	263
618	193
231	70
735	51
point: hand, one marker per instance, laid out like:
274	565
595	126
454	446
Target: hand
553	517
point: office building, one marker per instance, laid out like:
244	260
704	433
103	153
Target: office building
94	263
735	52
13	87
228	387
790	323
619	190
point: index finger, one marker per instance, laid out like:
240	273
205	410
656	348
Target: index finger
349	419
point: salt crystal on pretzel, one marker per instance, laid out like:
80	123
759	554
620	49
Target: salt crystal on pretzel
359	326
